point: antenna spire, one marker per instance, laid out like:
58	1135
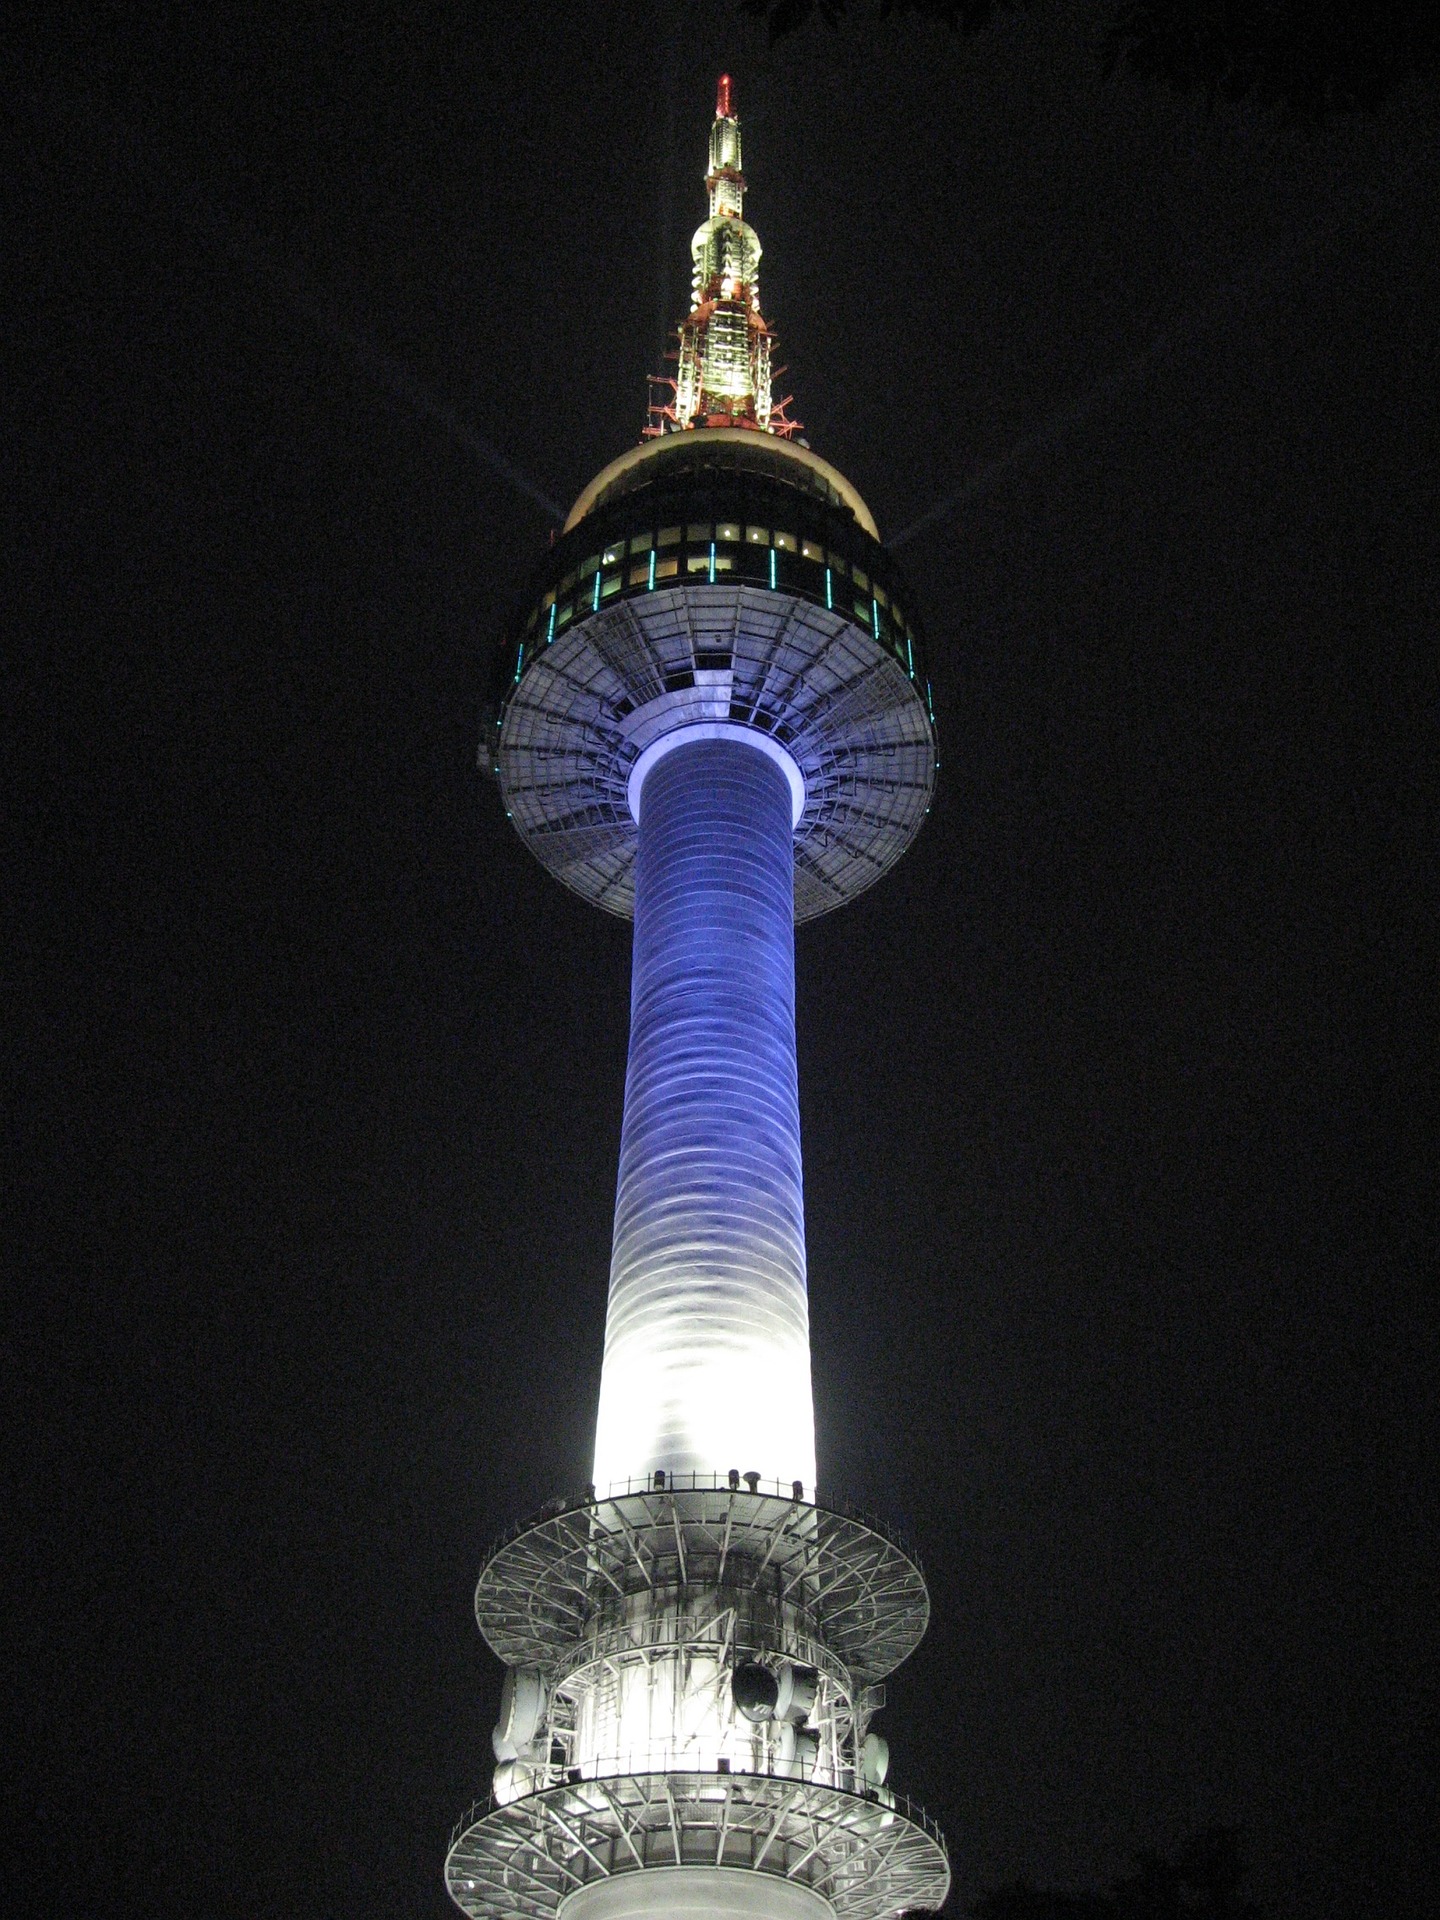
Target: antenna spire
723	379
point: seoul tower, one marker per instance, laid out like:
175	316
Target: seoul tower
711	717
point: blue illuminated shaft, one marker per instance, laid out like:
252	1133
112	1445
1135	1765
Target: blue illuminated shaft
707	1344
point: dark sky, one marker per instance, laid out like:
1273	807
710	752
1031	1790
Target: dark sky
1116	1159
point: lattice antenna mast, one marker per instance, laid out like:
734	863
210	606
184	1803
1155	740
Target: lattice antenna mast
726	347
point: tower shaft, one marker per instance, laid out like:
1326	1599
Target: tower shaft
707	1350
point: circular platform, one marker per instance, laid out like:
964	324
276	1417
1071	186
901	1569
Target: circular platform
867	1857
546	1588
716	579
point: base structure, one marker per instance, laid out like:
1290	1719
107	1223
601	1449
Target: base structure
685	1724
683	1842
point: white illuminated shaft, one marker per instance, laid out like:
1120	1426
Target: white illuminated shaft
707	1346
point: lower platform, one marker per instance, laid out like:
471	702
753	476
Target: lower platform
603	1848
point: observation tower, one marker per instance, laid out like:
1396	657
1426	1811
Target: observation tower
711	716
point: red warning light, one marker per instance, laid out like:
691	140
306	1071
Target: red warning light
724	110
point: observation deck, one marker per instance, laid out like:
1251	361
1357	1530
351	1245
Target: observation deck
557	1585
719	575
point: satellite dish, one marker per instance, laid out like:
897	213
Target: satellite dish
755	1691
522	1708
874	1759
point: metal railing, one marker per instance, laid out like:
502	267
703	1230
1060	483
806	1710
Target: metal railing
564	1505
881	1801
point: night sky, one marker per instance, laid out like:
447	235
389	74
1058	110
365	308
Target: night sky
1117	1165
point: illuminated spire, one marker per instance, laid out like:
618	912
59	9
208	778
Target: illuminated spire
723	379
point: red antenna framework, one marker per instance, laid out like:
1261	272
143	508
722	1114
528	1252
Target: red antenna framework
723	373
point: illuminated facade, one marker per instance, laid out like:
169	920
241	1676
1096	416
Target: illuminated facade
712	716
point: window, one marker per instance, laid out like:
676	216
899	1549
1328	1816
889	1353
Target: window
612	554
668	537
812	552
727	530
697	563
590	565
697	532
564	620
758	536
642	543
639	575
862	580
666	568
567	583
837	566
612	585
788	542
881	595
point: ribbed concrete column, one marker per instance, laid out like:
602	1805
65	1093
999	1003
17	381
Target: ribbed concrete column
707	1345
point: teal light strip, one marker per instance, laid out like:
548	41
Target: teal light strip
550	630
909	657
875	618
595	603
519	663
650	583
772	566
829	589
712	563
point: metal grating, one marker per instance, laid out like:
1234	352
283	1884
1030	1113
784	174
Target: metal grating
870	1857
